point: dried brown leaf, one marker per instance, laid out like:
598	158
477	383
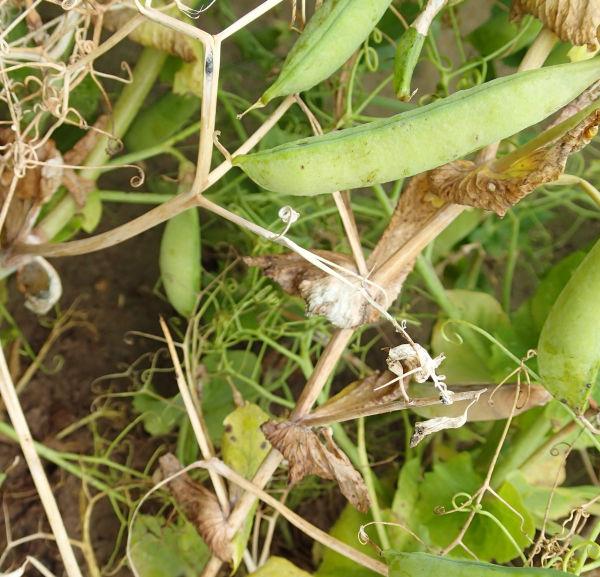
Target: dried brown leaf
490	406
200	506
310	452
498	184
356	397
575	21
34	187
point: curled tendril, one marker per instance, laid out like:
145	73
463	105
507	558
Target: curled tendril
126	68
455	337
68	4
138	179
555	450
377	35
457	505
371	58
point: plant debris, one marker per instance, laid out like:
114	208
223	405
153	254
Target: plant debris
574	21
499	184
200	506
311	452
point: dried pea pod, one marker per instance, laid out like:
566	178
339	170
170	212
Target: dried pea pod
569	344
421	139
334	32
425	565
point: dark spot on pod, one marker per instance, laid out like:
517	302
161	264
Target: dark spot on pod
563	401
301	167
233	438
228	428
588	385
263	445
208	65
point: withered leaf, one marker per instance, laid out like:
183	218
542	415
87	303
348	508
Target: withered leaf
200	506
310	452
33	188
491	405
498	184
357	397
324	295
575	21
342	305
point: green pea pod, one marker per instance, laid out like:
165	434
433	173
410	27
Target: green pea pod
425	565
408	51
179	261
160	121
569	344
420	139
334	32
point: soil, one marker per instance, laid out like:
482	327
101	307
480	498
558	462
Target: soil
113	289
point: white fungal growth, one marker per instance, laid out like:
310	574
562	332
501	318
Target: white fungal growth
422	366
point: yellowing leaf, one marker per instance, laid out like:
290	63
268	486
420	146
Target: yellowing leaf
243	448
575	21
244	445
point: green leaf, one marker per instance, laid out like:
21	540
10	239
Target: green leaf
279	567
243	445
484	537
404	505
563	499
160	416
244	448
346	530
217	396
473	359
160	550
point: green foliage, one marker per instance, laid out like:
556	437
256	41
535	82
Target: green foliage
346	530
470	356
174	550
450	484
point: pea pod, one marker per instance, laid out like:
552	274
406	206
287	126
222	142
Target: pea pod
425	565
569	344
179	261
334	32
420	139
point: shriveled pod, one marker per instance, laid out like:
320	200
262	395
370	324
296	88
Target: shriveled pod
569	344
331	36
179	261
426	565
420	139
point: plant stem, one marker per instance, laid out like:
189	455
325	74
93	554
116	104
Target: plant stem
368	477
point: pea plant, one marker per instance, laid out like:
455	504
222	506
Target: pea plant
377	272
